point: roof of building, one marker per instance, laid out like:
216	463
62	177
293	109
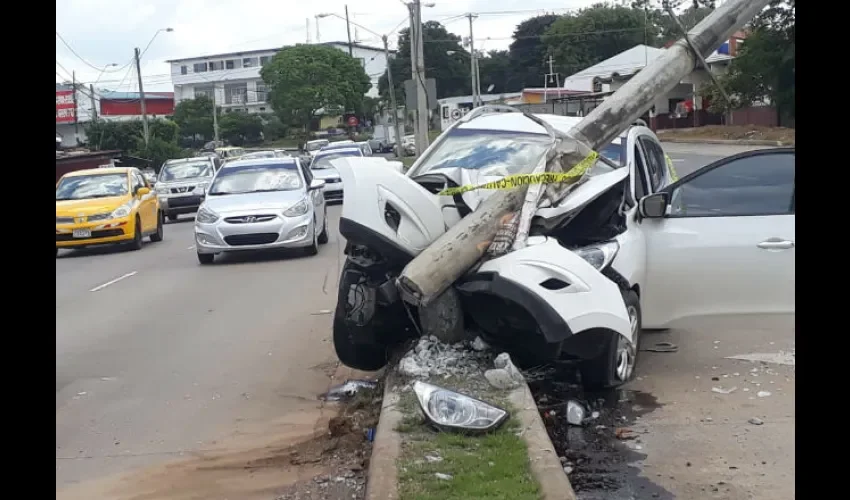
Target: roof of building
271	49
131	96
484	97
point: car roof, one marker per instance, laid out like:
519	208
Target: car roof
338	150
258	161
317	140
89	171
186	160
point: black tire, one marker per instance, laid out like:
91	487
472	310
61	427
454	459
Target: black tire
602	371
357	355
323	236
160	233
313	249
137	238
172	217
206	258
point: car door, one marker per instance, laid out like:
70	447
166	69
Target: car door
316	195
136	183
727	243
657	172
636	161
149	204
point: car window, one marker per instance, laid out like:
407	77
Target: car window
757	184
655	162
253	178
323	161
308	175
188	170
641	188
84	187
135	181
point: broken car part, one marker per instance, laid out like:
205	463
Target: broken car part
451	410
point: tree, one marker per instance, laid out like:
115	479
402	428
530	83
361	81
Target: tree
195	118
273	128
128	136
594	34
689	12
528	52
306	78
451	71
496	69
239	128
765	67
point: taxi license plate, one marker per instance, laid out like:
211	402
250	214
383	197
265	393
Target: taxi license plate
82	233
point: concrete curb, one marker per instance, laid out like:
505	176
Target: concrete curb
727	142
382	479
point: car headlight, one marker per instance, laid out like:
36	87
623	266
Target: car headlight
160	189
599	255
451	410
200	190
206	216
122	211
297	210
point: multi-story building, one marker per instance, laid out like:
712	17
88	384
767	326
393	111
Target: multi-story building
234	78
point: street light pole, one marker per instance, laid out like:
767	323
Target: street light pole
418	62
137	56
473	63
393	107
348	30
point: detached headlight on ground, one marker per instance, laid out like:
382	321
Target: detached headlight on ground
451	410
122	211
297	210
206	216
599	255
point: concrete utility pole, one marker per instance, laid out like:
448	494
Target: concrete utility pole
419	80
393	107
142	97
473	63
93	103
551	75
215	116
318	35
308	30
74	96
434	270
348	29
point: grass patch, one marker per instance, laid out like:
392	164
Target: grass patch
407	161
433	134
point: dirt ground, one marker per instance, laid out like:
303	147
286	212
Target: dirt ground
733	132
285	461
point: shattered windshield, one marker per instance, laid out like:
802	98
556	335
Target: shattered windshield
491	152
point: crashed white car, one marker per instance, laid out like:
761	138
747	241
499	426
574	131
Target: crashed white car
628	248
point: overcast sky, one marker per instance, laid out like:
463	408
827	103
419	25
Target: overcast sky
105	32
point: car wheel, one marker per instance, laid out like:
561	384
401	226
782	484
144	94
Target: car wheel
172	217
616	364
158	235
137	237
206	258
323	236
353	319
313	249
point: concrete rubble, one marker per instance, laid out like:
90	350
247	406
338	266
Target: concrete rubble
432	358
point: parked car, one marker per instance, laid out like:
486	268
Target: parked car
322	169
252	155
313	147
408	145
258	204
104	206
229	152
626	249
365	147
383	140
282	153
181	185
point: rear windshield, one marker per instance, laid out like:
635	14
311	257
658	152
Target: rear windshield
180	171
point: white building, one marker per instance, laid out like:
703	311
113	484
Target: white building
235	77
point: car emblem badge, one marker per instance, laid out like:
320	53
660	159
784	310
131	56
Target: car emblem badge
249	219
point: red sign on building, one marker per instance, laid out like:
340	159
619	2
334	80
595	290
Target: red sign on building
65	108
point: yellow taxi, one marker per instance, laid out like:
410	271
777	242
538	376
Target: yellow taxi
106	206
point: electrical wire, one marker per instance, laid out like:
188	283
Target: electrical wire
81	58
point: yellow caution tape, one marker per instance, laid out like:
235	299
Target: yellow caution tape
673	175
518	180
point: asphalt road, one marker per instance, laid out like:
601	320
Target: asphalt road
158	357
689	157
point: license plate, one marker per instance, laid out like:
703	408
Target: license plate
82	233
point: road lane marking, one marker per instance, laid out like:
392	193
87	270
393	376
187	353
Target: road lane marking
191	247
116	280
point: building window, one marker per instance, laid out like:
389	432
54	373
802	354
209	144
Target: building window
249	62
265	60
235	93
216	65
199	67
230	64
184	70
262	92
206	91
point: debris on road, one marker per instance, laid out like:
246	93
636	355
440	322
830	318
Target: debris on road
348	390
432	358
763	394
787	358
662	347
756	421
575	412
479	345
624	434
505	375
721	390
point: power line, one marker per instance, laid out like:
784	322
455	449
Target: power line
81	58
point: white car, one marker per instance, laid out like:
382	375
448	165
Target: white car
322	168
627	249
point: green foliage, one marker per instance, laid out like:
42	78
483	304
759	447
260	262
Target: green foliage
158	151
495	69
240	128
452	72
273	128
195	118
594	34
128	136
305	78
528	53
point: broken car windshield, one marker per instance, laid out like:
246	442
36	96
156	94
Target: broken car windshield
493	152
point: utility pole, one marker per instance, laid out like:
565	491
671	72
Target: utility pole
93	104
308	30
215	116
473	63
142	98
551	76
419	81
318	35
348	29
74	95
393	106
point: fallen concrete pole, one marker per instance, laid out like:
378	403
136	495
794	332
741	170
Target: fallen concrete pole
458	249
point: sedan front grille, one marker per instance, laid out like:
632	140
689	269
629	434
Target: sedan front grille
249	219
64	220
101	233
98	217
251	239
182	189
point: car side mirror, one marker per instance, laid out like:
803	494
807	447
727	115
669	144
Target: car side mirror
143	191
654	206
317	184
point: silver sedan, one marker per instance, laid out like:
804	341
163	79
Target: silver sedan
261	204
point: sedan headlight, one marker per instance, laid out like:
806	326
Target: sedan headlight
297	210
599	255
206	216
121	212
451	410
